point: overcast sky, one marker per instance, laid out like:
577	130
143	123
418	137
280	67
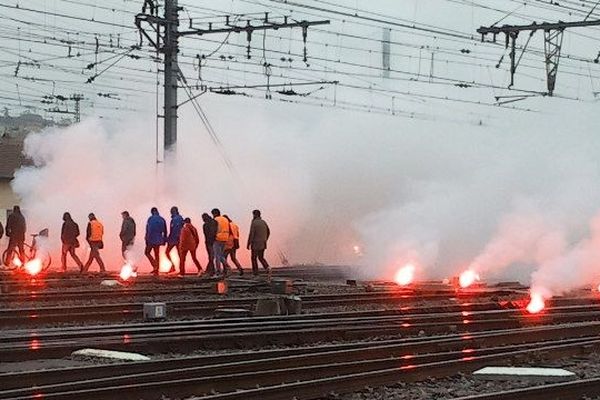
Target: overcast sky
414	167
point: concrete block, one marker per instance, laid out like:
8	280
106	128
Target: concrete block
282	286
527	373
293	305
232	312
267	307
114	355
110	283
155	311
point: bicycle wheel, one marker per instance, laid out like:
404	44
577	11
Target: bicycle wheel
46	261
7	258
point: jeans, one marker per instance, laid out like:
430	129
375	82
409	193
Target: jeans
219	254
153	260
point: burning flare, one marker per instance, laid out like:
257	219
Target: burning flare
127	272
405	275
536	303
467	278
17	262
33	267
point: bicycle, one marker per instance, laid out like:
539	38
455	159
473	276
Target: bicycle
12	260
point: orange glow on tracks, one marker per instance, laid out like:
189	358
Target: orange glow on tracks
33	267
467	278
127	272
405	275
17	262
536	303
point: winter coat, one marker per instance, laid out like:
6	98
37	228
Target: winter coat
127	230
223	230
259	234
175	229
156	231
69	232
210	231
188	240
16	227
95	231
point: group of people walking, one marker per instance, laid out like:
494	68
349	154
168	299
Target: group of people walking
221	239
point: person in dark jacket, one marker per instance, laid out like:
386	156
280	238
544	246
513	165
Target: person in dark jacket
15	230
174	234
210	233
127	234
257	241
156	236
1	230
68	235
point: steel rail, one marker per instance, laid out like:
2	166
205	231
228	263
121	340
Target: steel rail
21	346
574	390
271	375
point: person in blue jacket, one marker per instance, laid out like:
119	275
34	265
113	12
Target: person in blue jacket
174	234
156	236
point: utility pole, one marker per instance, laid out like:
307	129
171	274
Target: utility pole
164	37
77	97
385	52
553	36
59	100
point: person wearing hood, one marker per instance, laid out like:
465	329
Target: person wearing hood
174	234
210	232
69	236
156	236
188	243
257	242
127	234
15	230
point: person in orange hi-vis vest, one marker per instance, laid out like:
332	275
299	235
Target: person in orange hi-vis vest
95	233
220	241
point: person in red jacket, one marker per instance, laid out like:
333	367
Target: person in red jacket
188	243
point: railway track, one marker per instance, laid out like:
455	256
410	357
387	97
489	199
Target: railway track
307	372
187	336
575	390
13	281
31	316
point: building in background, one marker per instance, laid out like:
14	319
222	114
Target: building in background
13	131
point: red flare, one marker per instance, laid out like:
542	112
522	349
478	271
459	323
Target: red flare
405	275
467	278
536	303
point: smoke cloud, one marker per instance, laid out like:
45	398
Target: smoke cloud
505	194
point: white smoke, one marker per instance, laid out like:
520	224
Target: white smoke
435	194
